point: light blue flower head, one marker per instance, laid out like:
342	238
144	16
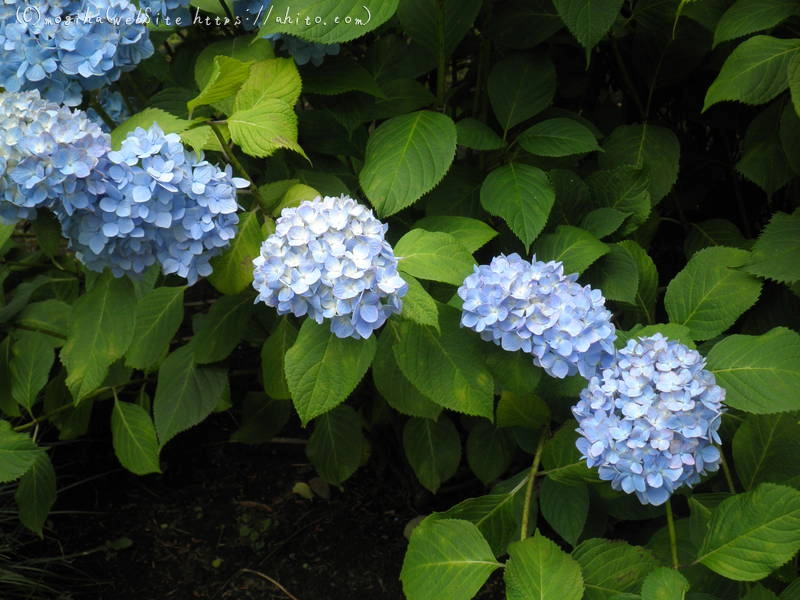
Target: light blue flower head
48	153
532	306
649	422
328	259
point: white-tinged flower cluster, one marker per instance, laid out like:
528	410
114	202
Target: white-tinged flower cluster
328	259
649	422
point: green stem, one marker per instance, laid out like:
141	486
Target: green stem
231	158
673	538
526	507
98	108
728	476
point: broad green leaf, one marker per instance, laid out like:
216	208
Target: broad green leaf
672	331
610	567
761	374
418	305
755	72
759	592
49	317
322	369
275	78
517	410
447	366
558	137
537	569
616	274
793	70
262	419
565	507
588	21
24	291
510	24
489	451
223	328
433	449
763	160
134	436
477	135
186	393
714	232
650	147
169	123
158	315
470	233
777	249
562	460
31	360
36	493
752	534
624	189
18	452
521	87
341	74
749	16
522	195
789	133
227	76
244	48
405	158
273	356
761	446
438	25
330	21
573	246
101	330
8	407
336	444
446	558
603	221
433	255
264	128
709	294
233	270
664	584
648	280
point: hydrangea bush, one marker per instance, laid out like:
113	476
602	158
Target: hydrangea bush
608	193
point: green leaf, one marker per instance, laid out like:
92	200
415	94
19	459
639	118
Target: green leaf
223	328
603	221
233	270
186	393
776	250
447	366
49	317
573	246
648	280
438	25
331	21
433	449
561	457
31	360
709	294
522	195
336	444
793	70
517	410
8	407
244	48
764	161
617	274
227	76
610	567
262	419
158	315
761	446
101	330
537	569
477	135
341	74
650	147
664	584
752	534
274	78
36	493
672	331
446	558
470	233
558	137
264	128
714	232
789	134
489	451
565	507
588	21
521	87
18	452
169	123
749	16
418	305
134	436
624	189
761	374
755	72
405	158
433	255
273	356
322	369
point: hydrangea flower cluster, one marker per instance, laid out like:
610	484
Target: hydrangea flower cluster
534	307
114	105
155	202
648	423
328	259
47	153
63	47
304	51
173	9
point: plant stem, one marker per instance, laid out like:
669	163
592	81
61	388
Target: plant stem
231	158
271	580
726	469
98	108
673	538
526	507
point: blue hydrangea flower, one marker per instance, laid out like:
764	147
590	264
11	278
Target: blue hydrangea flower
48	153
252	14
154	202
62	47
534	307
156	10
304	51
649	422
114	105
328	259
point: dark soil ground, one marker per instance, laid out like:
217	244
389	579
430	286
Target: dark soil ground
222	523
